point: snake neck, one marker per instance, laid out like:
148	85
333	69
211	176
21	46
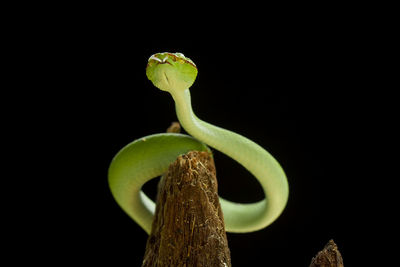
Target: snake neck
185	112
201	130
216	137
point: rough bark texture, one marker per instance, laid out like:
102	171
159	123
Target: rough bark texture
188	228
328	257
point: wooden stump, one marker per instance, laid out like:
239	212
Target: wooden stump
188	228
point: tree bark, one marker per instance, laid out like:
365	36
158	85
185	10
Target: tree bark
188	227
328	257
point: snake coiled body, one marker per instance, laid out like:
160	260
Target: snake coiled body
150	156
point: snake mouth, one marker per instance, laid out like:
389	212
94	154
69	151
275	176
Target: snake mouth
159	60
169	58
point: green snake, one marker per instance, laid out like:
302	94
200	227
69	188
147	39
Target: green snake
150	156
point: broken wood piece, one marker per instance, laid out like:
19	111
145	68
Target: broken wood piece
175	127
328	257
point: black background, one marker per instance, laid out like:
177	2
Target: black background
300	89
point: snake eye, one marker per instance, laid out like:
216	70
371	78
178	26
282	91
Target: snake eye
150	64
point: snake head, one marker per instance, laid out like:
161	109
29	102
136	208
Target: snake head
171	71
